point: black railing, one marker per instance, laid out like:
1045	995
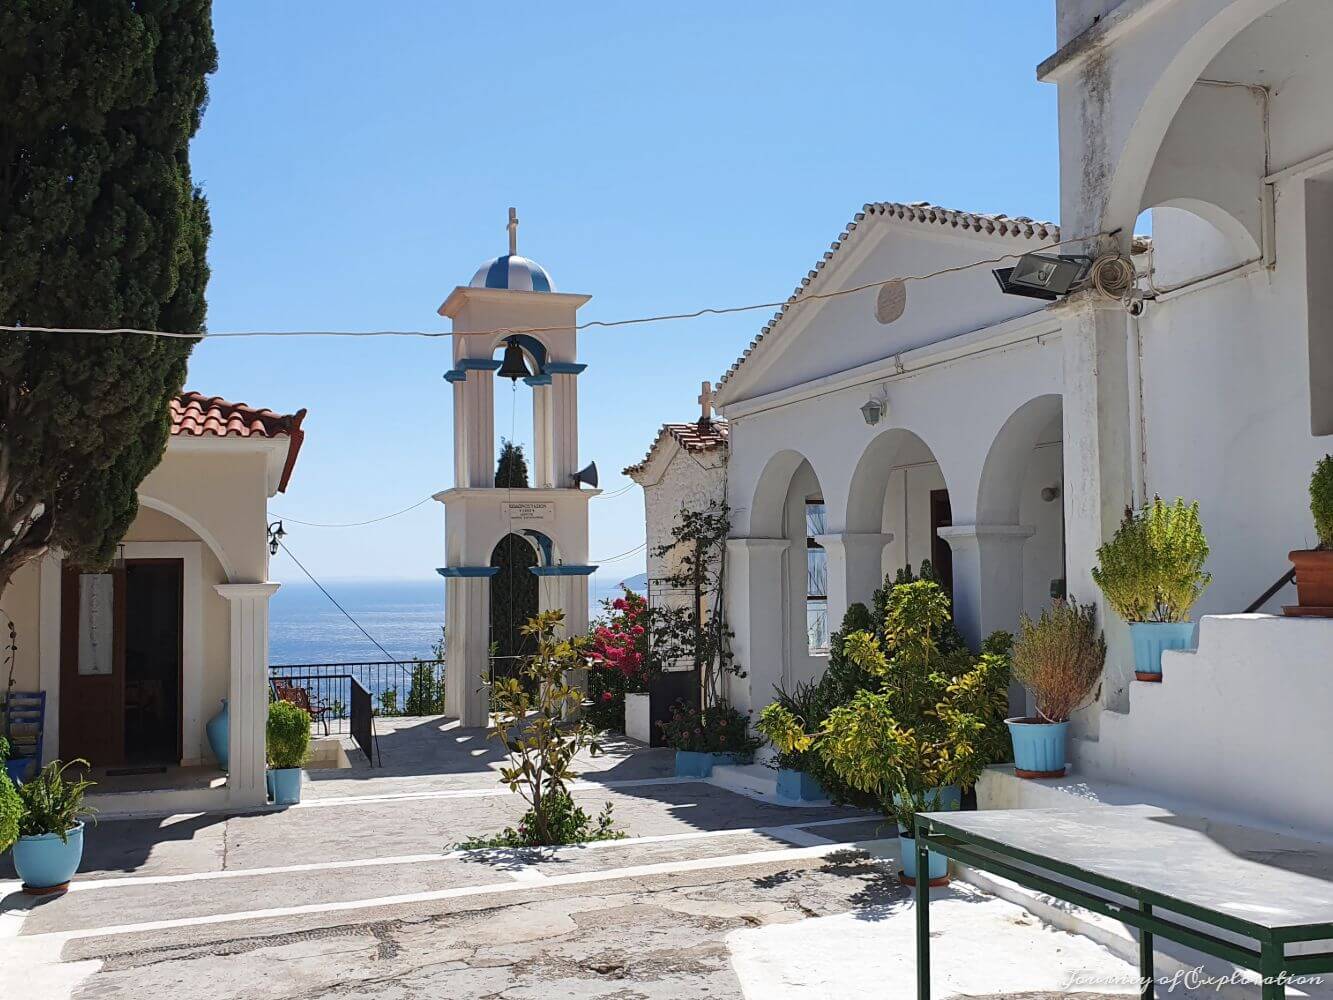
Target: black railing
392	687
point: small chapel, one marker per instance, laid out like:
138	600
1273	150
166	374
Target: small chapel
510	323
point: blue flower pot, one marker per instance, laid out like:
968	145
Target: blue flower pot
694	764
937	865
1151	639
797	786
219	735
286	785
45	863
1040	748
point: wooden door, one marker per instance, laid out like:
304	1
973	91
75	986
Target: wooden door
92	667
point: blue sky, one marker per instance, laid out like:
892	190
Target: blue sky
662	158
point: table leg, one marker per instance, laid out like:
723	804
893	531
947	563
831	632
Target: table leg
923	917
1270	967
1146	976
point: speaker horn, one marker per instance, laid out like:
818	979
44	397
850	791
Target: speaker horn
587	474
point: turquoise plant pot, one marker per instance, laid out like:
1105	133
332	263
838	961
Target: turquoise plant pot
937	865
219	735
45	863
285	783
1040	748
1151	639
694	764
797	786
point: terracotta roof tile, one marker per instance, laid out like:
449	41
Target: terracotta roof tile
196	415
696	437
922	213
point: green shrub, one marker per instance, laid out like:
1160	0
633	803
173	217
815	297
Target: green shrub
1321	500
288	734
11	806
1152	570
928	718
563	821
716	729
1059	658
52	803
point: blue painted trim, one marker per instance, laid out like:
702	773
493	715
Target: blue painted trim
536	380
497	275
478	365
545	546
562	570
455	375
467	572
565	367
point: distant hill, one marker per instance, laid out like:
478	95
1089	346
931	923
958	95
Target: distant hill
638	584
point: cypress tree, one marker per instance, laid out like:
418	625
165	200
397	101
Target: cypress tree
100	227
512	470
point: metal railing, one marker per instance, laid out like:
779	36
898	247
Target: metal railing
391	687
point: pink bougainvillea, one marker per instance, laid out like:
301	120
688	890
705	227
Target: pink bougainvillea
620	641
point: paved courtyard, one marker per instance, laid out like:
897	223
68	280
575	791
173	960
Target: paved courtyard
359	892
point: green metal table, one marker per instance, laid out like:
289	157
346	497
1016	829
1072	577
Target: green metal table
1233	892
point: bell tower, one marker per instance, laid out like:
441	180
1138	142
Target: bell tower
511	308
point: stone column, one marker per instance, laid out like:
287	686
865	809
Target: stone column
248	691
467	658
988	583
756	584
855	569
473	380
1098	478
543	467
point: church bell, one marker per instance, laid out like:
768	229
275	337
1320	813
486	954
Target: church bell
514	366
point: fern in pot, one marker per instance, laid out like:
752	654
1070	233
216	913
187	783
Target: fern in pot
1059	659
1314	567
288	734
49	847
1152	573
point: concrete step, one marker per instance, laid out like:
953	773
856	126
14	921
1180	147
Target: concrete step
748	779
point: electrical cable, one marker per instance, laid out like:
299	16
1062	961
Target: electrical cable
623	555
354	524
387	655
799	299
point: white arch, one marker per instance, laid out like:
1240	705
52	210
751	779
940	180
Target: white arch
206	536
768	506
870	480
1138	154
1001	487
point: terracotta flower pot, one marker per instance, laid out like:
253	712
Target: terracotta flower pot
1314	583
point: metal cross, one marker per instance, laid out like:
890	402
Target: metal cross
513	232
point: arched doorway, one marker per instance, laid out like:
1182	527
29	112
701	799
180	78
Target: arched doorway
514	600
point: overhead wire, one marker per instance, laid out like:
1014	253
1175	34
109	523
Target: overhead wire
347	614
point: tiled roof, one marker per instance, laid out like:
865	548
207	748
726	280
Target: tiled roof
697	437
922	213
196	415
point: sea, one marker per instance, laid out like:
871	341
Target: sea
403	616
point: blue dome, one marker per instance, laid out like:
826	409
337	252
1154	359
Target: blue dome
513	272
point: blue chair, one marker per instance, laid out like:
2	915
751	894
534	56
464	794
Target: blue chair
25	722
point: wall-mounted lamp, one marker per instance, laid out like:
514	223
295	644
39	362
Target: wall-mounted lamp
1049	493
875	409
276	533
1044	276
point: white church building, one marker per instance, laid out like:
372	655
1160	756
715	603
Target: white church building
1002	437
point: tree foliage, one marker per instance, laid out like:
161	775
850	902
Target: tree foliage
511	471
1321	500
101	226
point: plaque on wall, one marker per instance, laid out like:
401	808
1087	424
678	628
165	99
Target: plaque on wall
97	613
529	511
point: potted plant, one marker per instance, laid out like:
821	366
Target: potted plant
11	806
621	657
1314	567
1058	658
718	734
907	803
50	842
288	744
1151	573
798	770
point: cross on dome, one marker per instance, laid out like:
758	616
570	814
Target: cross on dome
510	271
